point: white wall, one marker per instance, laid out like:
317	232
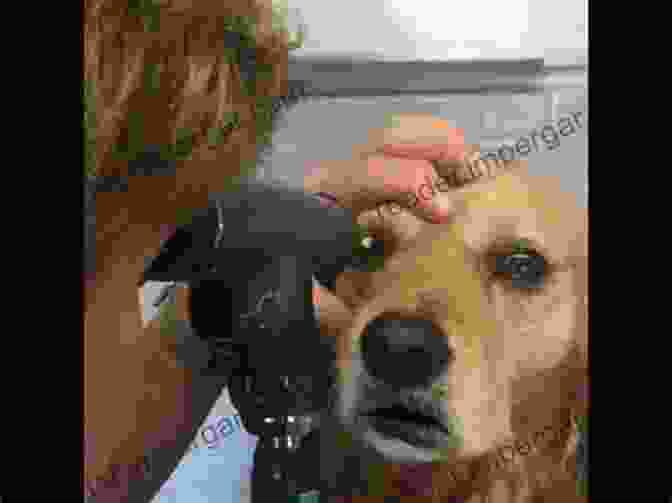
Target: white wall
435	29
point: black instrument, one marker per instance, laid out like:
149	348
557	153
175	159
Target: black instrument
249	262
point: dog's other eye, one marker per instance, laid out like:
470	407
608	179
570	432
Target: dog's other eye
369	252
526	270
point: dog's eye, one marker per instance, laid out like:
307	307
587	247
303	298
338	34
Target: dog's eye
526	270
369	252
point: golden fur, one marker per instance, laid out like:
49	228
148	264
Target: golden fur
199	86
521	360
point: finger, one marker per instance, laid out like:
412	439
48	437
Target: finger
438	209
411	129
423	137
393	176
419	129
433	152
317	292
410	183
447	161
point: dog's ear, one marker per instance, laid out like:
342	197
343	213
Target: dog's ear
582	326
575	461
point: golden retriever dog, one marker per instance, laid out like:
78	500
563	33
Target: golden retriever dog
462	360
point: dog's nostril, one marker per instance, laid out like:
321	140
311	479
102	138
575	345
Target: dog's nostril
404	352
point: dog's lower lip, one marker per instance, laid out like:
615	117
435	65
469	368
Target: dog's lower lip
402	414
427	436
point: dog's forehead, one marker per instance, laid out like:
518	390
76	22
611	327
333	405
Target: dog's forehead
508	207
516	205
514	194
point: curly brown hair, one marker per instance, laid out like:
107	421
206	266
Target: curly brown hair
165	72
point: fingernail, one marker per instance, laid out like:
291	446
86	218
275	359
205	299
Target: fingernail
441	210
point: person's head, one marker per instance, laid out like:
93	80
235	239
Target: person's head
168	74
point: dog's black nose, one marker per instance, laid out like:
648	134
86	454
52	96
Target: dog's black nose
404	352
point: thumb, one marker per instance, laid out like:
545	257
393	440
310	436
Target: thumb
437	209
412	184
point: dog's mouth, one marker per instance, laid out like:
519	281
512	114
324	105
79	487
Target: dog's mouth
419	429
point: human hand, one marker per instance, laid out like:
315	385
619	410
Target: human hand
394	166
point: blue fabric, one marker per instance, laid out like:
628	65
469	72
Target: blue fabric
217	469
